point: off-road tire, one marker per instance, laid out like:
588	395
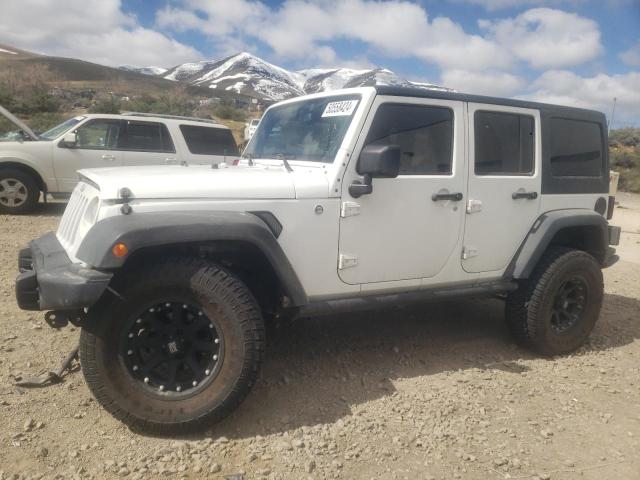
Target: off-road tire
528	309
32	191
217	292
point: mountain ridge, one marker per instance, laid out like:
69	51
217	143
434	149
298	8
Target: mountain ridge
250	75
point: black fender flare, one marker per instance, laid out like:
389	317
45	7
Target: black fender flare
143	230
543	231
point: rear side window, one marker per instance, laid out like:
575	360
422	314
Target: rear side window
209	140
504	143
576	148
147	137
424	134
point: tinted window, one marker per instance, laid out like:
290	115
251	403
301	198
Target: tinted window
424	134
209	140
147	136
99	134
503	143
576	148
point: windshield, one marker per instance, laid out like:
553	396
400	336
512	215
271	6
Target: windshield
308	130
58	130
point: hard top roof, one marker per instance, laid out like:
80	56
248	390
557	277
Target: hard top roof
465	97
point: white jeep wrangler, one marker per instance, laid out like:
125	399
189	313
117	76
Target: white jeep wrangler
48	163
352	198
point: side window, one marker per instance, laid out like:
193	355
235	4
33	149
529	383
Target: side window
209	140
99	134
424	134
576	148
146	137
504	143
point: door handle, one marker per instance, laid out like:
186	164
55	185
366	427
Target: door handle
527	195
108	157
456	197
171	160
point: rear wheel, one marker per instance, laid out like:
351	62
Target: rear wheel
555	310
178	352
19	192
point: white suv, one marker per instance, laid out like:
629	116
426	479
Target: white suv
348	199
250	128
48	163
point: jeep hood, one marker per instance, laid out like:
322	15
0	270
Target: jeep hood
201	181
17	122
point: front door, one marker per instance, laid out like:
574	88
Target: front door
504	184
409	226
96	146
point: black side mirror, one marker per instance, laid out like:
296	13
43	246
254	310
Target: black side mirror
376	161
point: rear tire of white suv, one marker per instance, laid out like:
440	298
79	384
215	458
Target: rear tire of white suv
19	192
556	308
178	351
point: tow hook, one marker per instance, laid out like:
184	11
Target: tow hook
61	318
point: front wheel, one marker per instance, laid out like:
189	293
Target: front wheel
179	350
555	310
19	191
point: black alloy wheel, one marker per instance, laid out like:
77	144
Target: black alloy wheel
173	348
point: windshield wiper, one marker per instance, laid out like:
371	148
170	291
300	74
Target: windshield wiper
285	162
249	157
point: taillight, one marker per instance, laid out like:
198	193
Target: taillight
613	189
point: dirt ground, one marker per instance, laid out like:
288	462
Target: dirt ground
431	392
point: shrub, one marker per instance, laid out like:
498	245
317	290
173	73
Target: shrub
106	104
227	112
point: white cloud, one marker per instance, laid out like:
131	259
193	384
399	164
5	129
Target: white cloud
94	30
548	38
492	5
597	92
301	30
500	84
632	56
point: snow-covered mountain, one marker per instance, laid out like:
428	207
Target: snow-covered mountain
249	75
144	70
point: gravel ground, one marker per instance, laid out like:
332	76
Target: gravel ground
431	392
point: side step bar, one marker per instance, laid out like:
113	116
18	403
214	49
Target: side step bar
405	298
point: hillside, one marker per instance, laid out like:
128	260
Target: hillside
624	157
71	72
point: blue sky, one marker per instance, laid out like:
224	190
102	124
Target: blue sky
578	52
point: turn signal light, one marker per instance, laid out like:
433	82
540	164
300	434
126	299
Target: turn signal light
119	250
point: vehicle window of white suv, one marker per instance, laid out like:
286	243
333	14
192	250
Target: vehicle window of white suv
100	134
504	143
310	130
58	130
424	134
146	137
209	140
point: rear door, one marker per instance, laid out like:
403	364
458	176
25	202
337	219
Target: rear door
147	143
504	184
96	146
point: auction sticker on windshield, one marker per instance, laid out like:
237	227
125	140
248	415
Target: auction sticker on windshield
338	109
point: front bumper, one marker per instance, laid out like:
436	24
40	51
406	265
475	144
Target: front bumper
49	280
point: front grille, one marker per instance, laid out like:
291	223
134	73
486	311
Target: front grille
72	216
